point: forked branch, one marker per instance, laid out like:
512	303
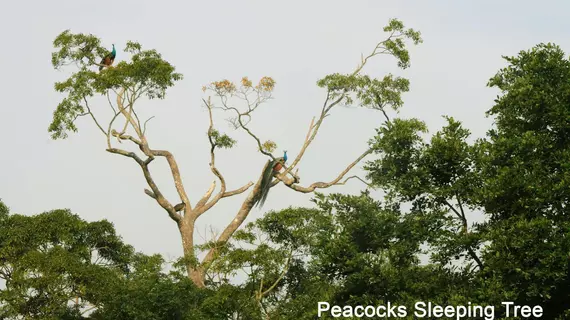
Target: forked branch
322	185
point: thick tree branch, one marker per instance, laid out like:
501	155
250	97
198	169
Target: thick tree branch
156	194
241	215
237	191
175	175
206	196
132	122
313	130
143	144
322	185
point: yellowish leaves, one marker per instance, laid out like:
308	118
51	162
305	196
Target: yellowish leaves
224	86
266	84
245	82
269	146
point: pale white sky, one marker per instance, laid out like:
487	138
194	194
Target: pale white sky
295	42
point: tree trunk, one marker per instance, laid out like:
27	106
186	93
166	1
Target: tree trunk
195	268
195	273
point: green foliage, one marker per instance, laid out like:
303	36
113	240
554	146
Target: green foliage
524	164
146	74
400	144
57	266
147	293
348	250
220	140
371	93
397	46
50	259
518	178
4	210
532	138
376	93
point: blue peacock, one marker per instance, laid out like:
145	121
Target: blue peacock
108	59
271	168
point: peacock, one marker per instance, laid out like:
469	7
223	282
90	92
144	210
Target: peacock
271	168
108	59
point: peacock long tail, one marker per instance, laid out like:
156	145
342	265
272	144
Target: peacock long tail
265	183
271	168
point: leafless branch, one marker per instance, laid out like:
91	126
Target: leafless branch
239	122
144	125
93	116
204	204
237	191
175	175
156	194
355	177
321	185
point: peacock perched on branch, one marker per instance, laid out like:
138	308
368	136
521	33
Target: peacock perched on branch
271	168
108	59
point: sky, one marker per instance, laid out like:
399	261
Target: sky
294	42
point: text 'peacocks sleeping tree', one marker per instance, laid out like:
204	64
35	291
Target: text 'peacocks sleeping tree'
271	169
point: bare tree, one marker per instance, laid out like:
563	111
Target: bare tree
149	75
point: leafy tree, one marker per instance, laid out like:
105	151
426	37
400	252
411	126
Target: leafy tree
55	265
146	292
349	250
147	74
527	181
439	179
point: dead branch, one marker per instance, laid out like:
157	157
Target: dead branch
355	177
203	205
207	196
156	194
314	129
123	136
143	144
237	191
175	175
240	123
144	125
321	185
